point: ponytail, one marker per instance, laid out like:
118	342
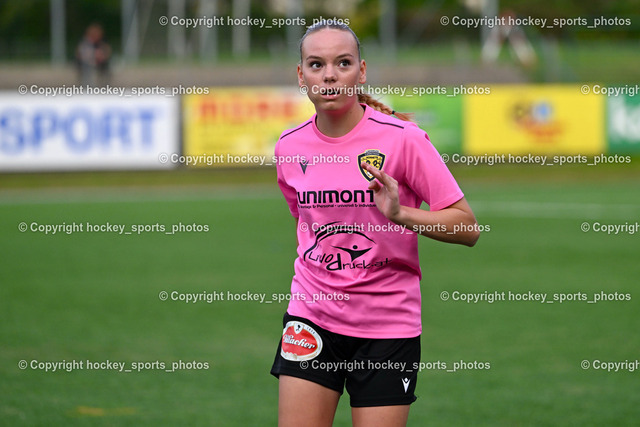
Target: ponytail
379	106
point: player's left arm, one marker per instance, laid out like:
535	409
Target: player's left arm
453	224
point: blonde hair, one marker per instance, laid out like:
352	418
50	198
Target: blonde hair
379	106
362	97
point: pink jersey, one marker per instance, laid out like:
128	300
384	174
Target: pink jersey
357	273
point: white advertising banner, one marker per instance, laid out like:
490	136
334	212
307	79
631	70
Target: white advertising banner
87	132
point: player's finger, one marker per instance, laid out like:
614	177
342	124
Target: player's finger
374	171
389	179
382	176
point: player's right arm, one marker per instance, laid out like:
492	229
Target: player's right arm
433	224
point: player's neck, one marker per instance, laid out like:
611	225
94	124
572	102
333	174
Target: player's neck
336	124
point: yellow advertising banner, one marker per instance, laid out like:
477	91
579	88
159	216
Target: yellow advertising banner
528	119
229	125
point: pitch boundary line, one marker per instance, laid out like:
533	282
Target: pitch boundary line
518	209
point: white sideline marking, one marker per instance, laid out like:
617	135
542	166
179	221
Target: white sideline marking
556	209
135	194
512	209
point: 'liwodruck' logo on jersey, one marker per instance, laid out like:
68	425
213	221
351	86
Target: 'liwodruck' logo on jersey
334	242
373	157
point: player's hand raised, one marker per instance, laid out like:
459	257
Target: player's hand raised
385	192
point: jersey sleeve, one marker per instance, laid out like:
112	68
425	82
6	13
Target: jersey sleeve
426	174
288	192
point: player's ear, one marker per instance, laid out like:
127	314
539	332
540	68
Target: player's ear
363	72
300	76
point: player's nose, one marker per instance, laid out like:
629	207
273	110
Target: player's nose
329	74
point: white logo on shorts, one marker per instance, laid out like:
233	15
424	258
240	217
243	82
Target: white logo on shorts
405	383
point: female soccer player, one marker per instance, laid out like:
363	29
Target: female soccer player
354	316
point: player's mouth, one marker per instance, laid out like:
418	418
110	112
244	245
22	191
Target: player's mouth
330	92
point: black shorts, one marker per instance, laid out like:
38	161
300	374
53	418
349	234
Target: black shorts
377	372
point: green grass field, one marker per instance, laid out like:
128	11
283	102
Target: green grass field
95	296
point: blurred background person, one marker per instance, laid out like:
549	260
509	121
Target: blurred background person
92	57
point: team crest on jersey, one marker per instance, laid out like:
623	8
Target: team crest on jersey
300	342
373	157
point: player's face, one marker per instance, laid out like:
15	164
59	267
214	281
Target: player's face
331	69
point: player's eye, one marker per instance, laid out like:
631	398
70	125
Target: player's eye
315	65
345	62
